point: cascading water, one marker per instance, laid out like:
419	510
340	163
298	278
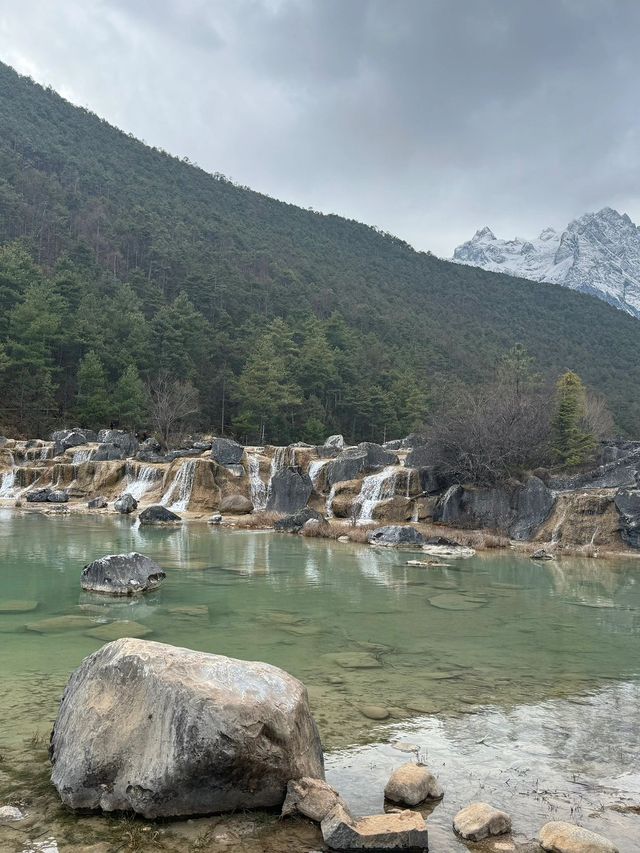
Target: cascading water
315	467
138	484
258	488
178	495
83	455
375	488
280	459
329	505
45	450
7	484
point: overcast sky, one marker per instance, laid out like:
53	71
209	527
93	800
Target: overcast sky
428	118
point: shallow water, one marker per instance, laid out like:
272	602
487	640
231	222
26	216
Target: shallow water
492	652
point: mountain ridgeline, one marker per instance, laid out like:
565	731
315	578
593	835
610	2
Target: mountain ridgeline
119	262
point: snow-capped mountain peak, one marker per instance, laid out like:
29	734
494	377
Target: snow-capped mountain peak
598	253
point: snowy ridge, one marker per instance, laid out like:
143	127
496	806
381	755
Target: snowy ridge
599	254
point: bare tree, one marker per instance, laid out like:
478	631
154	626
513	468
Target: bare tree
173	404
486	435
598	420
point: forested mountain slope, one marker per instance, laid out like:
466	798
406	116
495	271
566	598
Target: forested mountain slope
120	261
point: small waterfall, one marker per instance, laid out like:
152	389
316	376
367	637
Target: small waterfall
44	452
139	484
7	484
329	505
178	494
258	488
83	455
315	467
416	512
280	459
375	488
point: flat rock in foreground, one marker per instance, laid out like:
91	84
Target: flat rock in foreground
561	837
405	830
122	574
164	731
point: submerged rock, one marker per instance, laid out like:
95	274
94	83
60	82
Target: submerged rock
561	837
17	606
118	629
294	523
8	814
158	514
480	820
236	505
405	830
374	712
225	451
411	784
57	624
312	798
125	504
122	574
203	733
289	491
394	535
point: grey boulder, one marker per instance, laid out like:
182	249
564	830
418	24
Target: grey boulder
225	451
125	504
164	732
394	535
122	574
99	502
346	466
115	444
627	503
405	830
289	491
335	441
158	514
294	523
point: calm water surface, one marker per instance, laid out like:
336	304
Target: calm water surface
516	680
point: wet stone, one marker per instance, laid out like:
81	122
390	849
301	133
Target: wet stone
57	624
411	784
356	660
119	629
374	712
17	606
480	820
454	601
561	837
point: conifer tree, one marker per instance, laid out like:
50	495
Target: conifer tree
130	399
572	444
92	401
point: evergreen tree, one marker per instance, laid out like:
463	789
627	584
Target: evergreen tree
572	445
92	401
130	401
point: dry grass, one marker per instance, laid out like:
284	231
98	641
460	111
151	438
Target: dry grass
258	521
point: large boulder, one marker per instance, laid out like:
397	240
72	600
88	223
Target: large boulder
158	514
515	509
627	502
396	535
122	574
225	451
164	731
236	505
66	438
289	491
295	522
115	444
377	456
47	495
561	837
125	504
346	466
405	830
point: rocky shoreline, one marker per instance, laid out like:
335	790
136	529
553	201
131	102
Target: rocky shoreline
330	490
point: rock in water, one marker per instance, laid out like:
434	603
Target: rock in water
164	731
398	831
561	837
412	784
125	504
395	535
158	514
312	798
480	820
122	574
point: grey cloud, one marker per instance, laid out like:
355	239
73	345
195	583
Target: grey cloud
428	118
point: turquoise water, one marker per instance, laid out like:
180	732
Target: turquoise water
356	624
